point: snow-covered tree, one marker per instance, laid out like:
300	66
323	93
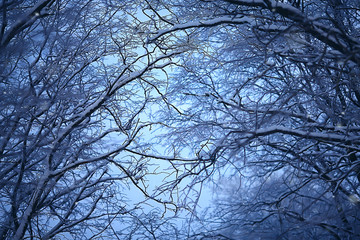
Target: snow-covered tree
264	93
74	80
269	93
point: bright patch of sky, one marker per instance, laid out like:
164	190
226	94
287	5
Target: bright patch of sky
150	173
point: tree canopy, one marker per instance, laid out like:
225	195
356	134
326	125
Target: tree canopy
103	100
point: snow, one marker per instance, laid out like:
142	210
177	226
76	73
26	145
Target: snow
306	134
25	20
203	23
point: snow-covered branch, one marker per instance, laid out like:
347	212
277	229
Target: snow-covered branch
202	23
26	20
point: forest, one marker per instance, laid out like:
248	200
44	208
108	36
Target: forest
175	119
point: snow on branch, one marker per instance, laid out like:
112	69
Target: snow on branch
329	35
333	137
25	20
202	23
